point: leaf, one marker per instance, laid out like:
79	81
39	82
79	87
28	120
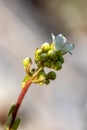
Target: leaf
16	124
11	109
8	121
9	117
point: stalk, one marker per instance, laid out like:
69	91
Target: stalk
19	100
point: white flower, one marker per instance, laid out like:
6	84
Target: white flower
60	43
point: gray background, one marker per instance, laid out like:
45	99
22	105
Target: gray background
62	105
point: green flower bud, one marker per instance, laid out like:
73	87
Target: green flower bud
27	61
52	54
47	63
43	57
57	66
52	64
51	75
37	57
38	51
61	59
47	81
45	46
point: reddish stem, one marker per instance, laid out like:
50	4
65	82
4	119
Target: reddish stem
20	99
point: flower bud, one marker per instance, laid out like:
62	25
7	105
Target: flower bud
51	75
46	46
43	57
27	61
52	64
37	57
52	54
38	51
61	59
57	66
47	64
47	81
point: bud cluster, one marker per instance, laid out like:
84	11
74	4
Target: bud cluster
47	56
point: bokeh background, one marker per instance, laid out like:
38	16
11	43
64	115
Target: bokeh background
25	25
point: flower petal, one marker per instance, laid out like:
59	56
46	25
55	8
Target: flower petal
53	37
69	47
59	42
60	38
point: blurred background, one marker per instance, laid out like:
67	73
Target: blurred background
25	25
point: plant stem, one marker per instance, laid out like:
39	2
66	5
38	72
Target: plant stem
20	99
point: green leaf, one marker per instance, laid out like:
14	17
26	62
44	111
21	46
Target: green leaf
11	109
9	117
8	121
16	124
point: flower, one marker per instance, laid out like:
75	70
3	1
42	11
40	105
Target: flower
60	44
